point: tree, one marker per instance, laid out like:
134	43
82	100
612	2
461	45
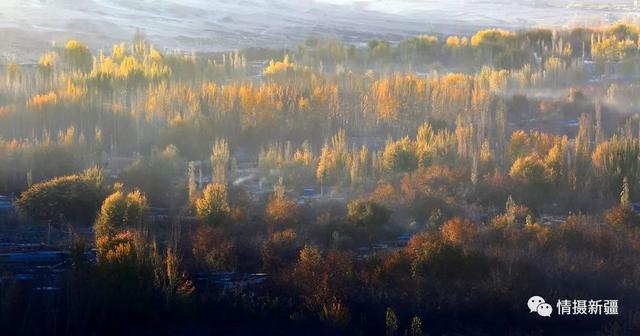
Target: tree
367	218
531	173
624	194
519	144
324	165
615	160
380	50
419	49
514	215
494	45
555	163
73	198
624	215
46	68
416	327
324	280
391	321
337	314
213	207
120	212
530	170
171	279
279	250
458	231
307	273
78	56
213	248
220	160
581	167
400	156
281	212
14	73
157	175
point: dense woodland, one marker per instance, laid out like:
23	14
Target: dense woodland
465	144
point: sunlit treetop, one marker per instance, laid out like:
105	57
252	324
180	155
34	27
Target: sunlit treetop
78	55
47	62
490	37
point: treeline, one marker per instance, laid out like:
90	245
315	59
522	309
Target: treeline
348	128
459	161
137	100
147	271
499	48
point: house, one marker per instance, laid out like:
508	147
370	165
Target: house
309	192
307	195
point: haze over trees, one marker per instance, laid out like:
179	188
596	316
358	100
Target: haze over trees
387	188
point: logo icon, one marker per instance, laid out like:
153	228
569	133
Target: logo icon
538	305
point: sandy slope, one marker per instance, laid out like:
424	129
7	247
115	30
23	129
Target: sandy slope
27	26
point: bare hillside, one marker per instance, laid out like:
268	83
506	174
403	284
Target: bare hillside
211	25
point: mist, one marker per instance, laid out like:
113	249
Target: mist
205	26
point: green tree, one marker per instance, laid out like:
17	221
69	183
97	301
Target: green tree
530	170
367	218
73	198
615	160
531	173
213	207
400	156
77	56
120	212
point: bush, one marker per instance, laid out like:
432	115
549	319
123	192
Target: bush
72	198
